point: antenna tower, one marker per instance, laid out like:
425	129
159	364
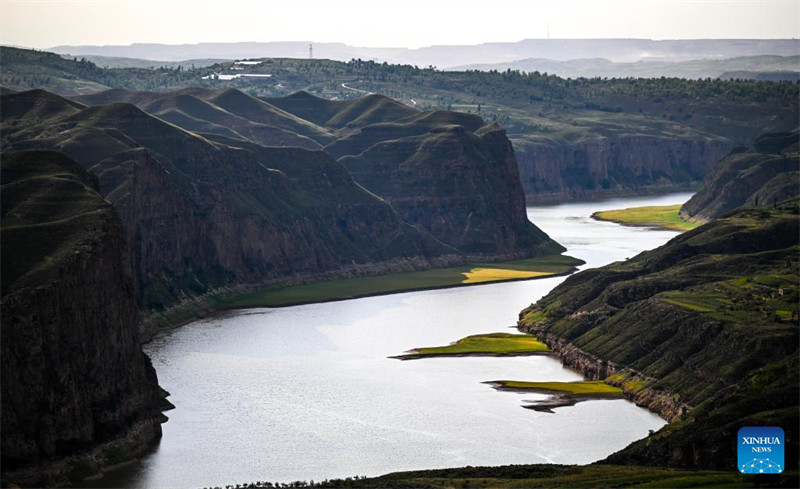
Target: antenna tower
310	51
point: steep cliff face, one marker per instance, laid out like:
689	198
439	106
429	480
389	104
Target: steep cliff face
763	175
204	212
558	171
699	330
73	373
460	186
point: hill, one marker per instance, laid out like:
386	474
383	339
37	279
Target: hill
485	206
651	68
234	114
465	213
573	138
273	211
337	114
208	212
766	173
703	330
74	379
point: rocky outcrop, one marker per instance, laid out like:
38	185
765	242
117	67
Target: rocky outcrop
634	384
460	186
766	173
559	171
73	373
699	330
204	212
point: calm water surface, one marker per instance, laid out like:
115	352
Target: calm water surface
307	392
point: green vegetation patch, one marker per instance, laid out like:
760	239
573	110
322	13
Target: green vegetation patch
744	300
340	289
582	388
494	344
661	216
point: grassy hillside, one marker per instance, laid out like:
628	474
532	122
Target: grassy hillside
343	113
50	206
703	329
766	173
231	114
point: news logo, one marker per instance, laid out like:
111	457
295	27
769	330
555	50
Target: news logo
760	450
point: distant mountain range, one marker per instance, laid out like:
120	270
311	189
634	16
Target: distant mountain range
449	56
745	67
580	138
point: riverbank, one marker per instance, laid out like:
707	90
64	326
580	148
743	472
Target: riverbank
369	282
662	216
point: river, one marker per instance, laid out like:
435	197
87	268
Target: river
307	392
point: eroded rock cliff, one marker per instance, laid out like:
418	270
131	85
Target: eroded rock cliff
73	374
206	212
460	186
213	210
553	171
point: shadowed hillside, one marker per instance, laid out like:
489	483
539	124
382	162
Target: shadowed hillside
338	114
416	176
73	377
203	212
703	330
766	173
229	113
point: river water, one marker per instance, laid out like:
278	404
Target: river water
307	392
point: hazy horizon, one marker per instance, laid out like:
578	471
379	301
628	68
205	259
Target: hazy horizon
306	41
414	24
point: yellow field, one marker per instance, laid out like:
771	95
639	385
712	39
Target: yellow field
478	275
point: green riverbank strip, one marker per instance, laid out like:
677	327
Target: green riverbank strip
494	344
349	288
661	216
580	388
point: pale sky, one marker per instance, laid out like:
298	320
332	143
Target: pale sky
408	23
